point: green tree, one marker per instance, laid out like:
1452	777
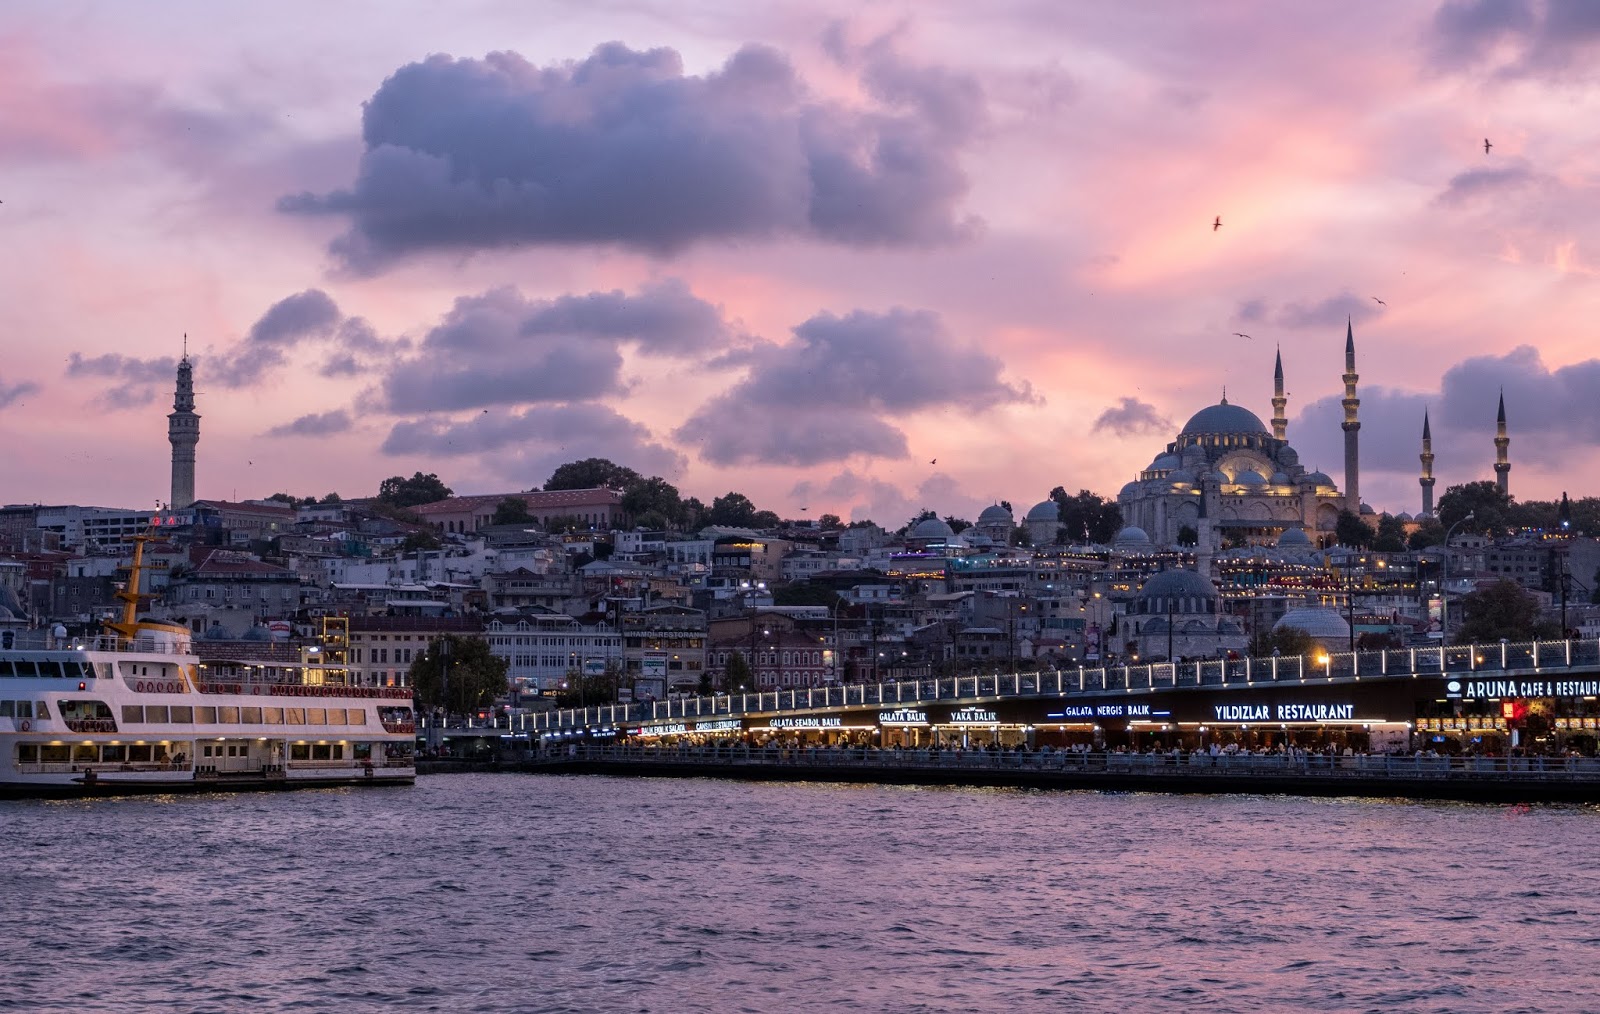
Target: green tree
654	495
736	675
1088	516
331	498
1502	610
425	539
765	519
1351	531
587	691
564	523
1391	537
1428	533
513	510
1488	506
1020	536
829	522
593	473
399	491
1286	640
957	525
475	676
732	510
284	498
1187	536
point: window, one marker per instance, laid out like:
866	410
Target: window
130	713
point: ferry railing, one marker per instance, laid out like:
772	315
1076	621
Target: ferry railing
1399	663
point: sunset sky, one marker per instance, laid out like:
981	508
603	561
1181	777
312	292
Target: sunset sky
859	258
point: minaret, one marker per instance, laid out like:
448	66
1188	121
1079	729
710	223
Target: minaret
1351	426
1427	466
1502	443
183	432
1280	423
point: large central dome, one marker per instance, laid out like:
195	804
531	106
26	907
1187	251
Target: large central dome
1223	418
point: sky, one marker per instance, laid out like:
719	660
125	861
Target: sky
840	257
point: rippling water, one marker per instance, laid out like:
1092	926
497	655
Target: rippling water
544	893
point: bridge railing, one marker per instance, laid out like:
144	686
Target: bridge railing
1397	663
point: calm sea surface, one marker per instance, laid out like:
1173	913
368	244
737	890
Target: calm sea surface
543	893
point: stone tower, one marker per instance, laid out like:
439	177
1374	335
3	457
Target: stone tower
1351	425
1280	422
183	432
1502	444
1427	466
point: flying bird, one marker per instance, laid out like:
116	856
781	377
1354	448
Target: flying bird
1380	302
1486	146
935	461
1217	224
1240	334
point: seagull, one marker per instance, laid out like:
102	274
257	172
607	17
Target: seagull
1380	302
1486	146
1240	334
935	461
1217	224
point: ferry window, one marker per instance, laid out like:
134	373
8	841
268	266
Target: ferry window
182	714
85	754
300	751
250	716
103	670
85	671
354	717
51	669
335	716
205	715
24	668
320	751
41	710
5	668
295	716
228	715
114	754
338	751
8	709
28	753
316	716
132	713
54	753
25	709
139	754
155	713
271	716
205	751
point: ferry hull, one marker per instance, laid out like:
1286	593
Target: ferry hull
79	786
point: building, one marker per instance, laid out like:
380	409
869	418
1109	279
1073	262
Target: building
542	650
183	432
382	648
594	509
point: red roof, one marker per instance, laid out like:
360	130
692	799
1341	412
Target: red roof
536	500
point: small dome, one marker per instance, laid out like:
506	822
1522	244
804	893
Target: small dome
931	528
1367	509
1163	462
1177	584
1250	477
215	632
1292	538
1132	536
1403	517
1316	479
1213	476
256	634
1280	479
1131	489
1047	510
1181	475
1316	621
1224	418
994	514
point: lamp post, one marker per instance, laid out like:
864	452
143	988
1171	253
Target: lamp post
1444	579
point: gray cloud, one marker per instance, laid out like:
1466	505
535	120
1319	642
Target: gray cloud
1495	183
860	497
1131	417
821	397
1331	312
137	381
1515	38
314	425
305	316
521	444
12	393
499	348
623	148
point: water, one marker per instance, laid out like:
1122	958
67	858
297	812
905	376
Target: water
545	893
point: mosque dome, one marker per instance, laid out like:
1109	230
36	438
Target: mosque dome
1131	536
1163	462
931	528
1224	418
1250	477
1181	475
256	634
1213	476
1403	517
1367	509
1045	510
1280	479
1130	489
1319	622
994	514
1294	538
1186	591
1316	479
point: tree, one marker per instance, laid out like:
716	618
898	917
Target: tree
284	498
732	510
736	675
1483	500
331	498
475	676
1429	533
1088	516
765	519
1351	531
957	525
425	539
1502	610
1391	537
513	510
805	593
1187	536
593	473
1020	536
829	522
654	495
585	690
1007	505
1286	640
398	491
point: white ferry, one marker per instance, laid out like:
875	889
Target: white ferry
133	710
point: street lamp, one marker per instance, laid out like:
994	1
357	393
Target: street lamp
1444	579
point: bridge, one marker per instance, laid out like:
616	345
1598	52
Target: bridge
1475	672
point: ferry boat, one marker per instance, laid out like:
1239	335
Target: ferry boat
135	710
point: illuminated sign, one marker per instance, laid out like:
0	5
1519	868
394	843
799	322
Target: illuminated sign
973	716
904	716
1109	710
664	730
1283	712
1532	688
720	725
813	722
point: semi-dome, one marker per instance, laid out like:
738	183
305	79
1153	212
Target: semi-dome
1317	621
1224	418
1181	475
1130	489
996	513
931	528
1045	510
1293	538
1132	535
1280	479
1250	477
